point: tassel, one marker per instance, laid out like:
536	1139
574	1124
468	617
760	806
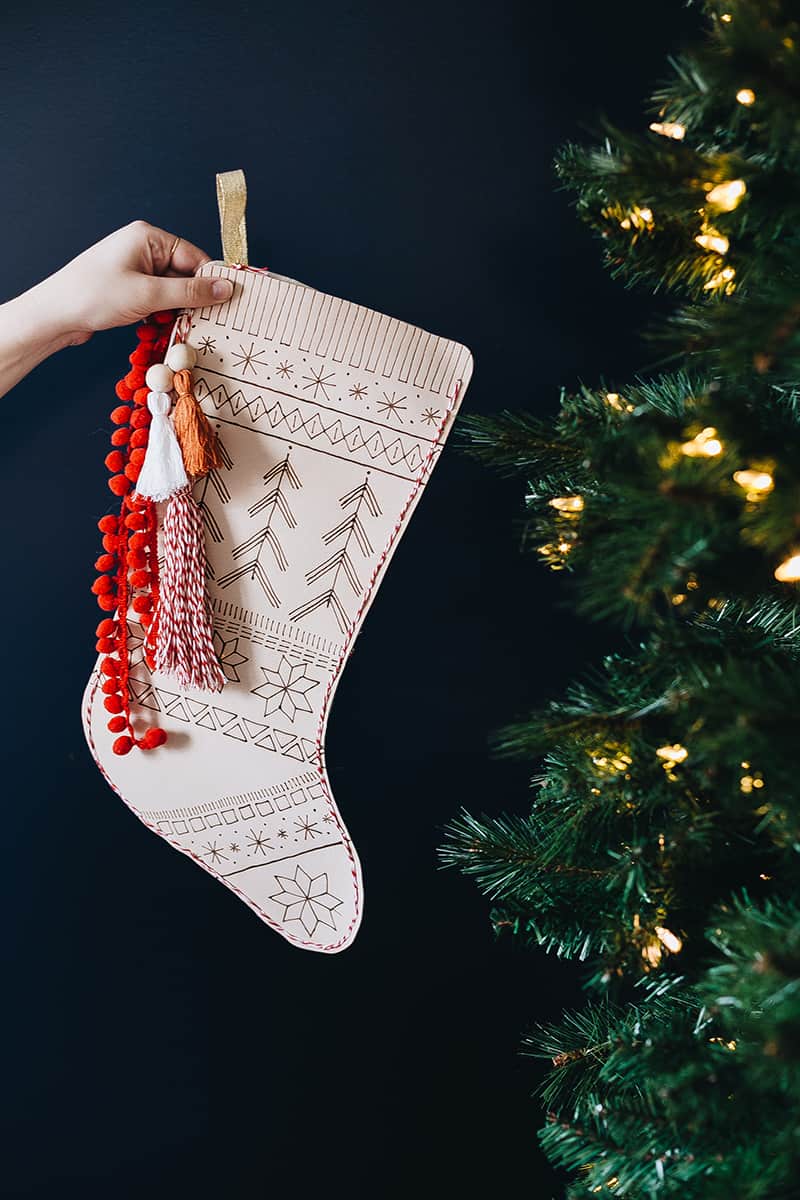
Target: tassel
162	472
180	637
198	441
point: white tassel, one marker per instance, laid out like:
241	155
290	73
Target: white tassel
162	472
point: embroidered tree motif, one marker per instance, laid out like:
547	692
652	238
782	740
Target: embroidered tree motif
273	505
214	483
340	569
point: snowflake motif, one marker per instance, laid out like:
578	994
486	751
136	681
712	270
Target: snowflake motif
430	416
283	833
307	827
357	391
318	382
229	656
213	851
245	358
392	406
208	345
329	819
307	900
286	689
234	848
258	843
285	369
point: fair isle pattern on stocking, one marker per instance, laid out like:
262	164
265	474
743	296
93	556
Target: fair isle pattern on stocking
330	418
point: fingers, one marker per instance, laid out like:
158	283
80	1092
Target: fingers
194	292
164	255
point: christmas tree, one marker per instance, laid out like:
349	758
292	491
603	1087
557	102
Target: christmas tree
661	847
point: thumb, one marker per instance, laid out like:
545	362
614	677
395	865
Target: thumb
195	291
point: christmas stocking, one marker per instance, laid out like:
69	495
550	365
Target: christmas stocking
329	419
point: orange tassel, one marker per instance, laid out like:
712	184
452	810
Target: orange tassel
198	441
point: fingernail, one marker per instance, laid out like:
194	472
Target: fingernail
221	289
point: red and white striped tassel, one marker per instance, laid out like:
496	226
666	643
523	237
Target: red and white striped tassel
180	638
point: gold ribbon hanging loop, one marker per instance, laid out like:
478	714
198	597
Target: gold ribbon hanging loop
232	201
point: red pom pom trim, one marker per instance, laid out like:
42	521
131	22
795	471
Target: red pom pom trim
119	485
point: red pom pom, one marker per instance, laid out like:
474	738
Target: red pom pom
119	485
109	666
141	418
137	558
133	472
140	579
135	378
152	738
117	724
139	437
108	524
103	583
140	357
104	645
135	520
121	437
121	415
113	704
140	396
110	687
138	541
108	601
110	543
122	745
145	619
106	628
106	562
137	457
114	460
164	318
142	604
123	391
146	332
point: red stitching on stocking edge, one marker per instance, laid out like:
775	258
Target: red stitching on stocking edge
424	470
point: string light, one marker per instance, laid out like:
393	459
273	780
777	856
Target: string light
721	280
615	401
638	218
669	939
757	484
672	754
789	570
611	759
669	129
725	196
569	506
718	1041
713	241
727	18
746	96
705	444
554	553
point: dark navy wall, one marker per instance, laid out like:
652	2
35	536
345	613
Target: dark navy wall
158	1039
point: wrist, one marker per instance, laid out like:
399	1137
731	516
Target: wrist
39	329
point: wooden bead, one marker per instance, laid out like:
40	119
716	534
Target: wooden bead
159	378
181	357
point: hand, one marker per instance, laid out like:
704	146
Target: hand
131	273
123	278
